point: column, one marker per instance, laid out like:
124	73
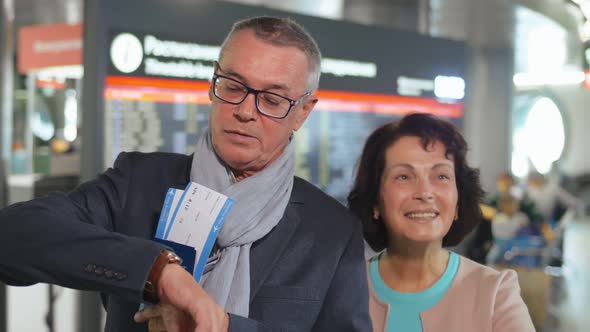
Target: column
487	27
89	306
6	92
6	97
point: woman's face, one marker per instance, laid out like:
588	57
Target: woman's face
418	193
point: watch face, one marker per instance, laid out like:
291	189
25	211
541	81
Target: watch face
173	258
126	53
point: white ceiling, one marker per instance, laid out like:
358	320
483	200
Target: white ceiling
29	12
448	18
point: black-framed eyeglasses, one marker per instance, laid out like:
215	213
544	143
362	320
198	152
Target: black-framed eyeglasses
268	103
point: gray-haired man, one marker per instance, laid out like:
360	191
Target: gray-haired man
290	257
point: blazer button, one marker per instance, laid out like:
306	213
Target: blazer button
99	271
90	268
108	273
120	276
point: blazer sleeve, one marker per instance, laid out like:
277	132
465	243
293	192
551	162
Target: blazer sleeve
70	239
510	311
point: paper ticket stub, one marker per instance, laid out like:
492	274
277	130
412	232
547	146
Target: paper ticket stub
193	218
172	197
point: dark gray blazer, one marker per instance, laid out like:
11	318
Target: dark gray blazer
307	274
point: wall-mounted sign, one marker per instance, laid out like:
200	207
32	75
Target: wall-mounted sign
149	55
126	53
443	87
163	103
43	46
154	56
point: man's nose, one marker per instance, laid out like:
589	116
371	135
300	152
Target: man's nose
247	109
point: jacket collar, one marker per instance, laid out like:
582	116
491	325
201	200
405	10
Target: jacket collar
432	318
265	252
379	310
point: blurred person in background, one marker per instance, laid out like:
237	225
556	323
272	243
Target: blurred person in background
550	199
479	245
415	195
506	225
506	187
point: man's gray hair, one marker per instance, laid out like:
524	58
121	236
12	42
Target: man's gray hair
283	32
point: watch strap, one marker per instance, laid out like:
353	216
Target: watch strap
150	291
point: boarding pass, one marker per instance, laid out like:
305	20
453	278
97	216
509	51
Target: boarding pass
193	217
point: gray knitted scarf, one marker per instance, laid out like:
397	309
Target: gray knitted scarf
260	202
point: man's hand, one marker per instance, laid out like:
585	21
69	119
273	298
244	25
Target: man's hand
164	317
178	288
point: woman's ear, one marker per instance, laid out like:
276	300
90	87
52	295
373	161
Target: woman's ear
375	213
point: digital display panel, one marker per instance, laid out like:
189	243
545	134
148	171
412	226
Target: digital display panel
153	68
148	115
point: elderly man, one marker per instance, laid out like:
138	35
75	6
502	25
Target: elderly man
290	258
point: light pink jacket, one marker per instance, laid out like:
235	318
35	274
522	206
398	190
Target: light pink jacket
480	299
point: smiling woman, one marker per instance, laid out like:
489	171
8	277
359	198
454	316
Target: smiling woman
415	194
418	195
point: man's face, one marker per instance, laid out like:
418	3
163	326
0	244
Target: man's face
244	139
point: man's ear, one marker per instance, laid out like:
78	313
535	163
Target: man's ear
302	115
215	67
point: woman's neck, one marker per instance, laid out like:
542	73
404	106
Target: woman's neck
413	268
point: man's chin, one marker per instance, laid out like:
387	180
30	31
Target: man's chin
234	154
238	161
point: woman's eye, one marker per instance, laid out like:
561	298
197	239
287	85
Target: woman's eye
402	177
444	177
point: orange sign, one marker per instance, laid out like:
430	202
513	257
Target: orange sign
587	80
196	92
42	46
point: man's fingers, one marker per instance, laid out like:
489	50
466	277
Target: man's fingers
147	313
212	320
156	325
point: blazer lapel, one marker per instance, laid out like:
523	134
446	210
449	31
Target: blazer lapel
266	251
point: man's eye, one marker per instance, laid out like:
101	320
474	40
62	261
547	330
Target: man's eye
271	100
234	87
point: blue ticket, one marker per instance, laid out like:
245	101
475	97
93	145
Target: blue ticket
193	217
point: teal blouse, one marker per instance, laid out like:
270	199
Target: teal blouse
405	308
